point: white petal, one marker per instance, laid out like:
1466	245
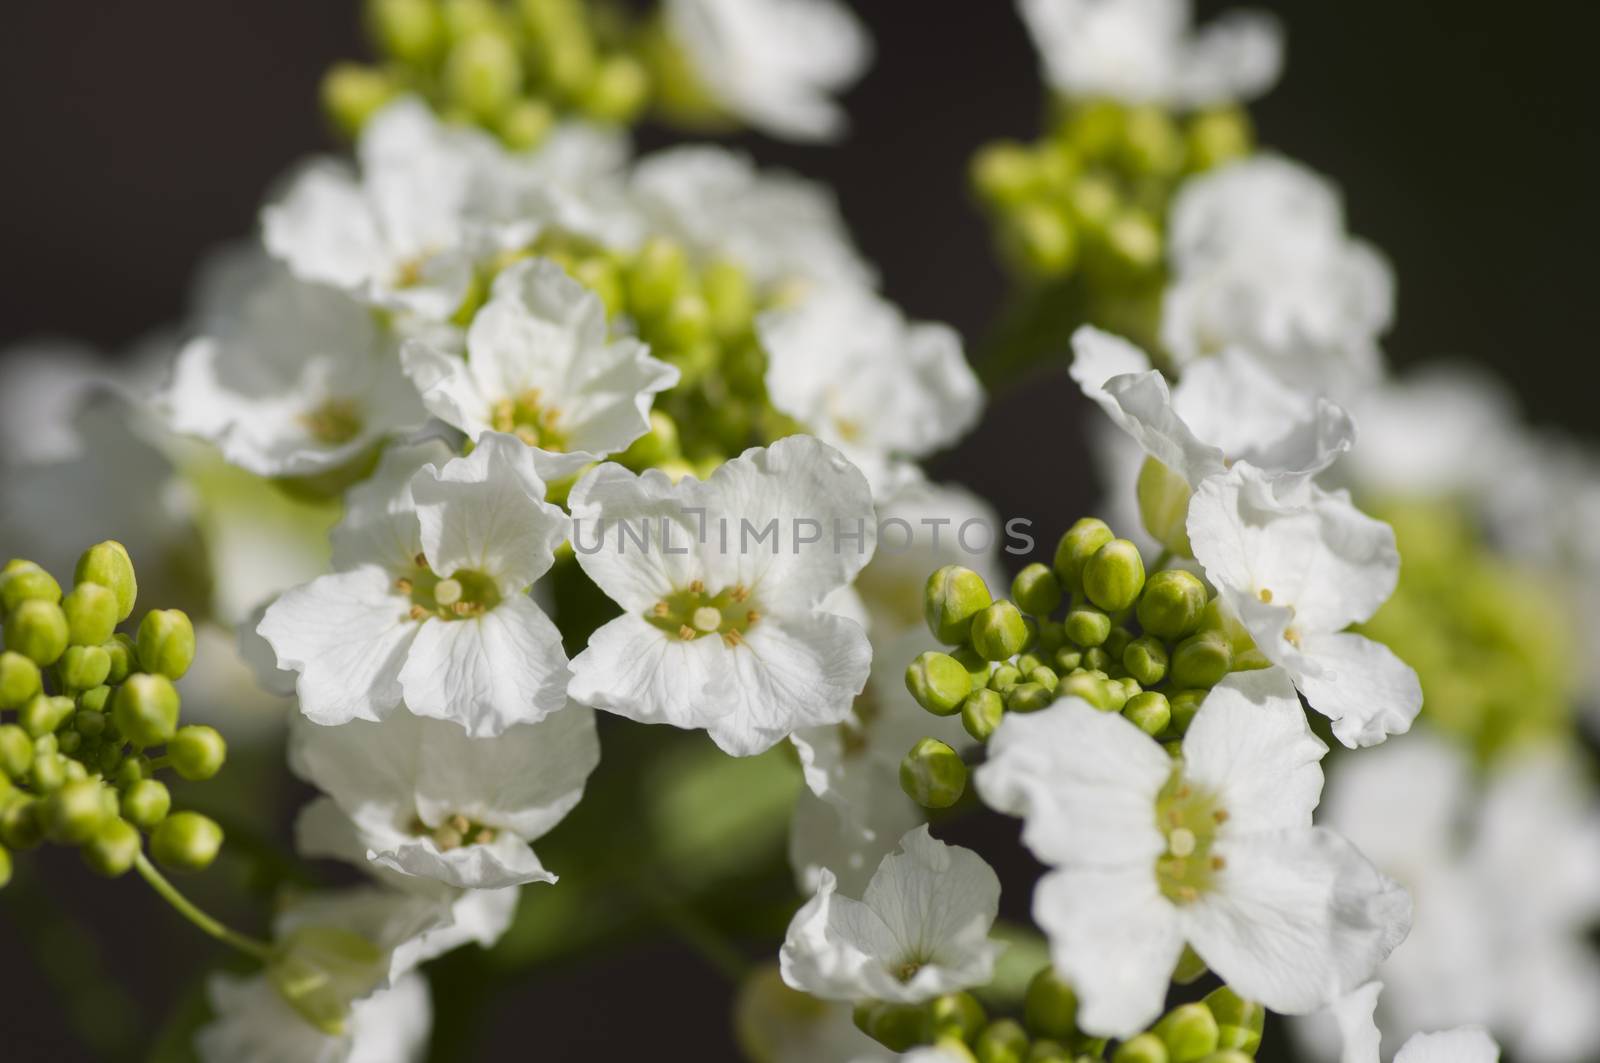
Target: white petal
323	228
487	672
1358	1030
448	387
1085	781
637	670
1468	1045
1361	685
1297	918
347	634
380	517
1115	938
634	535
836	948
849	843
505	862
369	769
938	902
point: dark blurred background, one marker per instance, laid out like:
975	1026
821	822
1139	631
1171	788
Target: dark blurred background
139	135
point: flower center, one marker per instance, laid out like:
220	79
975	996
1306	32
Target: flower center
525	417
454	832
336	421
1189	819
907	971
464	594
694	613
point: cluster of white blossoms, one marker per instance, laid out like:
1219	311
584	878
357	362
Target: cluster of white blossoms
480	444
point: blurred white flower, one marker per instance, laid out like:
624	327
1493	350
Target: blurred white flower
541	365
1215	849
721	585
1359	1033
254	1024
921	928
1148	51
776	64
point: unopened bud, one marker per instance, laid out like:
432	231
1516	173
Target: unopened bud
412	31
1005	173
24	581
124	659
1066	659
617	90
957	1015
19	680
197	752
1240	1022
1201	660
20	828
1189	1032
897	1027
1052	636
1050	1052
1219	136
999	632
1086	686
109	565
5	867
1002	1041
188	841
1045	676
38	630
1005	677
1076	547
1114	576
1050	1008
352	93
483	73
1036	590
1096	659
321	970
932	774
1028	697
74	812
1164	506
112	849
16	751
1146	660
44	714
978	669
981	713
1151	143
1040	239
1146	1048
166	643
1149	711
146	802
146	709
1185	703
952	598
1173	604
656	277
1087	626
938	682
84	667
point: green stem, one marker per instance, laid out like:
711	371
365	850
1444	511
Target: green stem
1163	559
250	946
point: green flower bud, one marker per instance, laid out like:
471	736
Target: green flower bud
655	447
978	669
1076	547
146	802
90	723
91	614
1229	1055
1050	1008
1189	1032
1005	677
1117	641
1240	1022
483	73
938	682
131	769
1045	677
19	680
1086	686
1173	604
1087	626
1146	660
1004	174
109	565
932	774
656	277
20	828
1002	1041
5	867
1151	142
897	1027
1049	1052
49	771
1133	241
1201	660
1027	662
166	643
84	667
188	841
124	658
1114	576
24	581
1149	711
953	597
44	714
617	91
1067	659
1029	697
318	970
38	630
998	632
957	1015
1052	636
197	752
1118	693
1146	1048
74	812
145	709
1039	239
412	31
1164	506
1219	136
69	742
981	712
112	849
1096	659
524	125
351	94
95	699
1036	590
1095	127
16	751
1185	703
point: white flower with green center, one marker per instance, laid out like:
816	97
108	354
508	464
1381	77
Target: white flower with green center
428	610
1468	1044
294	379
774	63
1296	571
848	366
722	585
542	365
427	799
1149	51
1260	260
920	930
779	228
1214	848
254	1024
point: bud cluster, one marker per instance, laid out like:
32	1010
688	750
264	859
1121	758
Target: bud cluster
95	717
513	68
1221	1028
1091	625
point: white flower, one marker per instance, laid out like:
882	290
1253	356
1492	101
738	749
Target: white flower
774	63
541	365
1261	260
721	585
1297	572
427	799
1147	51
254	1024
428	606
302	379
778	227
920	930
848	366
1361	1038
776	1024
1215	849
405	232
43	386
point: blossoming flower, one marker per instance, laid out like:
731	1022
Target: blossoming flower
921	928
846	364
1468	1044
427	799
428	607
1297	572
299	379
774	63
721	584
1215	848
1147	51
254	1024
542	366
